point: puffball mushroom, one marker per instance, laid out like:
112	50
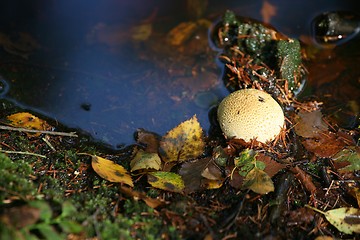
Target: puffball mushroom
250	114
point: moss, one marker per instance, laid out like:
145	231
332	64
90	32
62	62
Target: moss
15	178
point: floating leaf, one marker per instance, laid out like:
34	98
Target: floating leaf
258	181
111	171
183	142
350	155
345	219
144	160
167	181
28	121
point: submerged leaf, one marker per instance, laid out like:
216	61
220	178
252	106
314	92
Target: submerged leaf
111	171
183	142
167	181
345	219
144	160
258	181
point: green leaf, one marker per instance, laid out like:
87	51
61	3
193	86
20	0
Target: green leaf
345	219
245	162
351	155
45	210
68	209
144	160
48	232
258	181
167	181
70	226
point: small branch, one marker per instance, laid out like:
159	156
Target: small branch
23	153
71	134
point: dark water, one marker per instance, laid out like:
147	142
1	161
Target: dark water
85	65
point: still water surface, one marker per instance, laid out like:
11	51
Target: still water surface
107	67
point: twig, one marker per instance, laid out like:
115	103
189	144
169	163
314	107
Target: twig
71	134
23	153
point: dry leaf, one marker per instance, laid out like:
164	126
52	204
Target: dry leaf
111	171
258	181
345	219
144	160
147	139
151	202
183	142
191	174
28	121
166	181
326	146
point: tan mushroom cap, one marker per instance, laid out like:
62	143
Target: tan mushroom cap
250	113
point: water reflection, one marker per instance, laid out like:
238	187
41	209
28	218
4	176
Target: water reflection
108	68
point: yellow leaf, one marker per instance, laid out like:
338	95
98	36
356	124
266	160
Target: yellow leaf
28	121
183	142
111	171
345	219
144	160
258	181
167	181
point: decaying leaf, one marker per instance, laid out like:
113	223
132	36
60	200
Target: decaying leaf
191	174
326	145
166	181
309	124
149	140
258	181
350	155
111	171
151	202
345	219
183	142
28	121
144	160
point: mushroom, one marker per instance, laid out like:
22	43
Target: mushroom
250	114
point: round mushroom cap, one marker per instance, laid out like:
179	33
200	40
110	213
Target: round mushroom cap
250	114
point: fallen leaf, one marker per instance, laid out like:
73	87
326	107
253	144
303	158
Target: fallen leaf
183	142
28	121
326	146
191	174
20	216
151	202
350	155
147	139
111	171
345	219
166	181
143	160
272	167
309	124
258	181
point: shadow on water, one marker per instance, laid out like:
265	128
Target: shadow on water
108	68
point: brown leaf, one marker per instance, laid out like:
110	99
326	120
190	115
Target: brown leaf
20	216
148	139
271	166
191	174
151	202
326	146
309	124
